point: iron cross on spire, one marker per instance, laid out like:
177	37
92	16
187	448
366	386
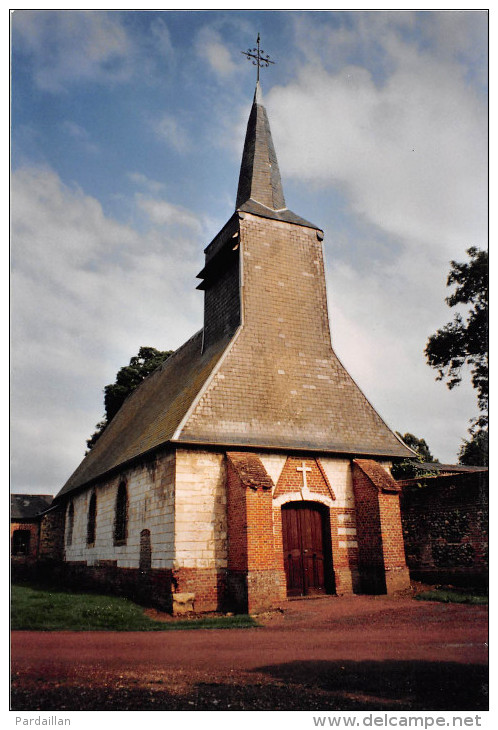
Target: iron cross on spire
260	58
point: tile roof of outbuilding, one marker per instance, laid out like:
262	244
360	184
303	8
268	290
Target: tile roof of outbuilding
28	506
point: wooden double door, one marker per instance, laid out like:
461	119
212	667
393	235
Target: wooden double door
306	539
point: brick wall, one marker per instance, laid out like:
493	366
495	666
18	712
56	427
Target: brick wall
329	482
33	528
381	558
151	588
207	587
255	579
445	527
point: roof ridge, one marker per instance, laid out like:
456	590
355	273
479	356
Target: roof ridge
176	352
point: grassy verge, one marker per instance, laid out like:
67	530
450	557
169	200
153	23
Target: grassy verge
453	595
42	609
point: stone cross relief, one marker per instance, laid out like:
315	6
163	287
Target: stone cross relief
305	492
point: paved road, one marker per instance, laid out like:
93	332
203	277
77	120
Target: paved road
337	653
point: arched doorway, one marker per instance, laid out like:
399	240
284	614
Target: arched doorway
307	548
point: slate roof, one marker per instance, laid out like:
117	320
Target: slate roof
260	188
28	506
152	413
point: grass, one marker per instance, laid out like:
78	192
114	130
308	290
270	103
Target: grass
453	595
50	609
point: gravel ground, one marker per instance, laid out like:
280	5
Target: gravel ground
356	653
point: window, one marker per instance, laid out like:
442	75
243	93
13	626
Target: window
121	515
92	518
20	542
70	523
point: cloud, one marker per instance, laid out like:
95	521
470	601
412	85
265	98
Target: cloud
212	48
400	138
163	213
73	46
80	134
169	129
413	162
380	322
161	36
142	181
87	291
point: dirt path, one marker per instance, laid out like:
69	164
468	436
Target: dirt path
337	653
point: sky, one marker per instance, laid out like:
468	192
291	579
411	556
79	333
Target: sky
127	130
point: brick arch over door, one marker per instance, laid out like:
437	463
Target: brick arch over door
303	478
307	548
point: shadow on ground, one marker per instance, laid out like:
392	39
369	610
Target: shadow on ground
396	685
308	685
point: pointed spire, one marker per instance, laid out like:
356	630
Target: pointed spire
259	178
258	95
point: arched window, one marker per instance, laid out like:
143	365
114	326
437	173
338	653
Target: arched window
121	515
92	518
70	523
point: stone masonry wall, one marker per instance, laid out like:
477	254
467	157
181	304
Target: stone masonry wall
150	486
200	563
201	512
445	526
51	544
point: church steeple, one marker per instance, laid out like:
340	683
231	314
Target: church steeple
259	178
260	190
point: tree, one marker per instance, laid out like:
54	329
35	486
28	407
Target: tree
418	445
465	341
408	468
127	379
474	452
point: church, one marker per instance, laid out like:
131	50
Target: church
249	467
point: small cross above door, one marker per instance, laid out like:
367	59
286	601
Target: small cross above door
304	469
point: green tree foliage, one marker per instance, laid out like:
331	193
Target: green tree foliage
464	341
408	468
127	379
474	452
418	445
